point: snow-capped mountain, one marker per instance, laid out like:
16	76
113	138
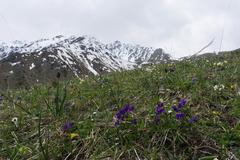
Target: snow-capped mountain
24	62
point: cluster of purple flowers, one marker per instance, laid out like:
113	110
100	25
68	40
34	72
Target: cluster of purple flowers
67	126
180	115
158	111
123	113
177	109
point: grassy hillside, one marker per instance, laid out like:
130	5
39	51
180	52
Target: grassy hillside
184	110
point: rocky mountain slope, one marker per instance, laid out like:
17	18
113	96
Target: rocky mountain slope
25	63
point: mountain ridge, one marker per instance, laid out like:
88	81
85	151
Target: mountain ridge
71	56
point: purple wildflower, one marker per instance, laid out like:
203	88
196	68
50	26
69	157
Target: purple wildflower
181	103
67	126
180	115
160	105
122	113
175	108
193	119
119	115
159	110
128	108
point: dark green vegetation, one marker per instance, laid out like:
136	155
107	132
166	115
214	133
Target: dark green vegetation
87	109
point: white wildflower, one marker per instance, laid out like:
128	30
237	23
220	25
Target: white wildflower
222	87
15	121
215	87
219	64
81	80
170	111
219	87
149	69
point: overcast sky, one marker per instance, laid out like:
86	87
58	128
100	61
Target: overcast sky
181	27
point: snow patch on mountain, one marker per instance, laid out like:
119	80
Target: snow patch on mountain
14	64
87	50
32	66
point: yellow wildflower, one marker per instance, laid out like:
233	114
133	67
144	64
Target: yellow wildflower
215	113
233	87
73	135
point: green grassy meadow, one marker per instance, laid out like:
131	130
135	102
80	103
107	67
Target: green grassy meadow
90	118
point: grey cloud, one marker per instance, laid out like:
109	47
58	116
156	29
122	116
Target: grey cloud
181	27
